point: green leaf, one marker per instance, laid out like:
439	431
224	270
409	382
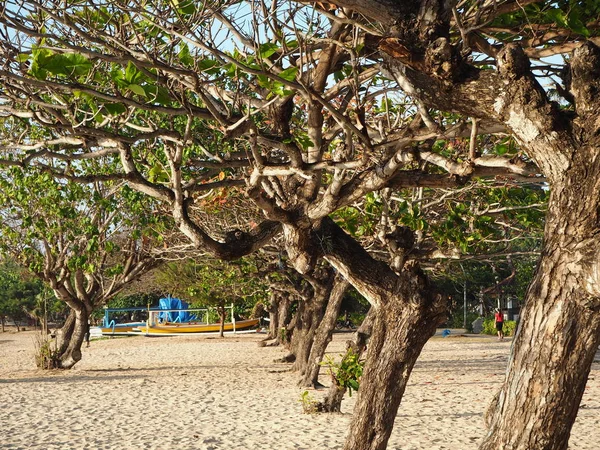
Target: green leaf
137	89
185	57
22	57
157	94
114	109
132	74
267	49
77	64
557	16
289	74
576	24
185	7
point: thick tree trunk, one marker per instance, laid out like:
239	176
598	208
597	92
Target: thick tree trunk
324	333
273	310
284	318
72	337
406	315
400	331
559	331
221	310
305	330
63	335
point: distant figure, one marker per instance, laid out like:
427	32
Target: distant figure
86	337
499	317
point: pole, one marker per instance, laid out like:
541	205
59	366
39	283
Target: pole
232	318
465	305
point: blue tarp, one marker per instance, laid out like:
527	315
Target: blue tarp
173	303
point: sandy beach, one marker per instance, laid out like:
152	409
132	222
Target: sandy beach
201	392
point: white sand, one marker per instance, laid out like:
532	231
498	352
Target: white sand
207	393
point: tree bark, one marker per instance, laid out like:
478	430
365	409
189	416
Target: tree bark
72	337
324	333
406	315
305	330
273	310
284	318
400	331
221	310
559	331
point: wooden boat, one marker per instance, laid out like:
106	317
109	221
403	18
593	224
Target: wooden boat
182	328
121	328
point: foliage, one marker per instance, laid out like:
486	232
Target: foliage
309	404
18	291
214	283
489	327
457	319
346	373
46	353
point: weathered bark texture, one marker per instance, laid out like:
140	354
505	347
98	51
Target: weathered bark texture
310	316
284	318
560	329
273	310
324	333
406	315
72	336
400	331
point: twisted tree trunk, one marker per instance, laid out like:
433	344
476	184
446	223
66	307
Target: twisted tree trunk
406	315
72	336
304	333
273	310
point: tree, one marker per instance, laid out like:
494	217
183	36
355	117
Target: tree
213	283
312	108
18	292
85	242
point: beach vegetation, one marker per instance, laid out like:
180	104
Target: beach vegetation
347	372
84	242
47	354
309	403
18	292
489	327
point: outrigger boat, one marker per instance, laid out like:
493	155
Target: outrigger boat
171	328
121	328
172	317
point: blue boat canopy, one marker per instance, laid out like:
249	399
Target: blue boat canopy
173	316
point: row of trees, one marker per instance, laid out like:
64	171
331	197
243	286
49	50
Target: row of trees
315	110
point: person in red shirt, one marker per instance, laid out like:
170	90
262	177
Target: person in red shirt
499	324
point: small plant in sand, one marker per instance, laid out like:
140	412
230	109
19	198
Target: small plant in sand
47	355
309	404
347	372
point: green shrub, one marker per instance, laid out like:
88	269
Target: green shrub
489	326
347	372
309	404
457	320
46	354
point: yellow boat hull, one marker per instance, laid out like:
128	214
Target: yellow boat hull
120	329
177	328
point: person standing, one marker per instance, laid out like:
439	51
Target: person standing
499	317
